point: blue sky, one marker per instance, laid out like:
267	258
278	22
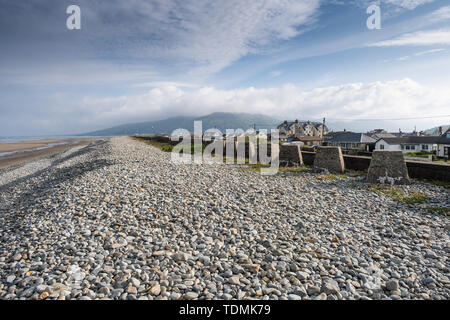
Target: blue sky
148	60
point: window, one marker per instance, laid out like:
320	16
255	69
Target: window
381	146
424	147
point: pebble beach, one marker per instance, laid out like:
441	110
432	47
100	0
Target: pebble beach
115	219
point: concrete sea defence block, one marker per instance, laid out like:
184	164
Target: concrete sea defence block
388	167
329	158
290	156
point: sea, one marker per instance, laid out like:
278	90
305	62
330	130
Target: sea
16	139
13	139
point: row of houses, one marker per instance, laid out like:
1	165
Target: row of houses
406	144
440	144
315	133
308	132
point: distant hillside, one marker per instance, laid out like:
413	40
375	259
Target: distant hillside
435	131
219	120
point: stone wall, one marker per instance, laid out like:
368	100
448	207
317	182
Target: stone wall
416	170
308	158
429	171
357	163
329	158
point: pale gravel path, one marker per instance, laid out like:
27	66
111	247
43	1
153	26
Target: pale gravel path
118	220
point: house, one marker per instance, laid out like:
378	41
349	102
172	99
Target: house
352	141
309	141
380	133
408	144
300	129
443	145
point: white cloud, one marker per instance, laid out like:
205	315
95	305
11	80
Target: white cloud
422	53
392	99
407	4
209	34
418	54
276	73
420	38
396	4
379	100
440	14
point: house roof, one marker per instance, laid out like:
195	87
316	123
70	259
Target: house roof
377	136
308	138
352	137
411	140
444	138
288	124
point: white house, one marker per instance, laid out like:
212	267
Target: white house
352	141
443	146
408	144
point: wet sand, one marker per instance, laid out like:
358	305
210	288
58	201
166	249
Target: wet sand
24	153
27	145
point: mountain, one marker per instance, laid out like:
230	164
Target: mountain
219	120
435	131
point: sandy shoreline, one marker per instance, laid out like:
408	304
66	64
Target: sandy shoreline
25	151
27	145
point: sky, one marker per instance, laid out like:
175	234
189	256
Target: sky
145	60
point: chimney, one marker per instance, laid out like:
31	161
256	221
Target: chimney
296	121
440	131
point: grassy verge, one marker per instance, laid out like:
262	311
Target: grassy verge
439	210
257	167
439	183
399	195
331	177
166	147
160	145
355	174
294	169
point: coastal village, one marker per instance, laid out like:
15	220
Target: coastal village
414	145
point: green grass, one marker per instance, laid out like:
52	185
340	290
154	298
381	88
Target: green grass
398	195
307	148
294	169
166	147
257	167
331	177
439	183
355	174
415	197
160	145
422	153
439	210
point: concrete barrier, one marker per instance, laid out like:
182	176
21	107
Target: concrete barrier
330	158
308	158
290	156
388	167
428	171
357	163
